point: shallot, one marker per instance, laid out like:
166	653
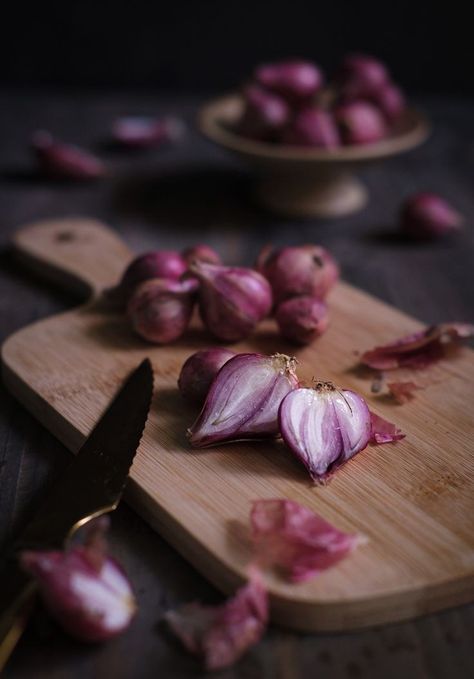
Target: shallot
202	253
312	126
264	114
65	161
324	427
296	540
160	309
155	264
199	371
390	100
360	75
298	270
244	399
402	392
232	300
426	215
141	132
360	122
85	590
302	319
295	80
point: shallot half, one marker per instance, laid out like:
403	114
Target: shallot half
244	399
199	371
85	590
324	427
232	300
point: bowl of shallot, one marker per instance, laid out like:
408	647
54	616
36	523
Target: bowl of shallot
305	138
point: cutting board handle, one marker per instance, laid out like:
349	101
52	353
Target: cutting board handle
82	254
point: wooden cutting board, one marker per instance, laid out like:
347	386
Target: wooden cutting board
412	499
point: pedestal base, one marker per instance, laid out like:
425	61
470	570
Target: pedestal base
299	195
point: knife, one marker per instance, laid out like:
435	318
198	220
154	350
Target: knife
91	485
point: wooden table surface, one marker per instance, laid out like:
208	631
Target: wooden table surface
172	198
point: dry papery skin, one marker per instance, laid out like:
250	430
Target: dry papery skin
418	350
383	431
295	540
221	634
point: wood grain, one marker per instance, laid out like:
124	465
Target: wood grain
413	500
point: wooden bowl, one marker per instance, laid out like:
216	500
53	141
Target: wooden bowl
306	182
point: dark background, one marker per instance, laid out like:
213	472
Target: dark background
210	45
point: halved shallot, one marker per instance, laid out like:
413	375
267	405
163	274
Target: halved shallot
243	400
85	590
324	427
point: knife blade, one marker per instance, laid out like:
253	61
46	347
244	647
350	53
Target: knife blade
91	485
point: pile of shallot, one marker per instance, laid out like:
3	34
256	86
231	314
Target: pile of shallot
159	290
289	102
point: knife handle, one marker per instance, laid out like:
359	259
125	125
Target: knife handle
78	253
17	596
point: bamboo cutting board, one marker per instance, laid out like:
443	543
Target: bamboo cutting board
412	499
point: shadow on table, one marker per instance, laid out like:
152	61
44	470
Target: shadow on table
190	198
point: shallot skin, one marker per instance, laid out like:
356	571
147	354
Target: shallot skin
302	319
298	270
160	310
299	542
232	300
199	371
426	215
324	427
